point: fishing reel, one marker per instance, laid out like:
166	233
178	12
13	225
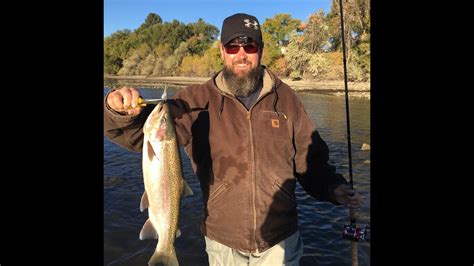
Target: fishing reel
354	233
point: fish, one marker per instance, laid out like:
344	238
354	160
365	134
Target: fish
163	182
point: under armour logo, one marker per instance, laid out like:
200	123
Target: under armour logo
247	23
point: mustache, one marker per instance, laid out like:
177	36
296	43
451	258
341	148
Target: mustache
242	61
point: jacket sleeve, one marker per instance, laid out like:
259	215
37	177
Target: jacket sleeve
125	130
317	177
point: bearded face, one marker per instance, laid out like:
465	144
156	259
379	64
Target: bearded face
243	85
242	70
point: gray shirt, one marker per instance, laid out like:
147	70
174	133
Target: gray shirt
250	100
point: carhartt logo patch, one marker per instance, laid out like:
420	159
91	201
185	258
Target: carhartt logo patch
275	123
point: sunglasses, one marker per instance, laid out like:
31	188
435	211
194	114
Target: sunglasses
233	48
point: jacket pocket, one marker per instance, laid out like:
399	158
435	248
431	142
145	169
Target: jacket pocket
273	113
217	192
283	191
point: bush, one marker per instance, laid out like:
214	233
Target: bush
130	65
295	75
280	67
361	59
335	69
146	66
318	66
354	72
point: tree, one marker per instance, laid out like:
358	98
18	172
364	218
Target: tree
204	31
116	48
151	19
279	27
202	35
271	52
212	59
357	35
356	23
297	57
145	33
175	33
316	33
132	65
147	65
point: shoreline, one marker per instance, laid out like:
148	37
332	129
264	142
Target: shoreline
336	88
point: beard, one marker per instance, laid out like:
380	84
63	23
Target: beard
243	86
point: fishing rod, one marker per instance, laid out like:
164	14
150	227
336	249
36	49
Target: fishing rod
351	231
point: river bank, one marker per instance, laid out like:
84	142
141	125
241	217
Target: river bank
356	89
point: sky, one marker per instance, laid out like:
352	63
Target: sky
130	14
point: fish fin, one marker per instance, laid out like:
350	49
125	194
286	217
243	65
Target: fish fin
148	231
187	189
151	152
164	96
144	202
163	258
178	233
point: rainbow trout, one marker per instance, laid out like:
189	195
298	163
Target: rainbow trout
164	184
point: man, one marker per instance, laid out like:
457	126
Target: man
249	140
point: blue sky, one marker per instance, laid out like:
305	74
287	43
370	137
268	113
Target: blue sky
130	14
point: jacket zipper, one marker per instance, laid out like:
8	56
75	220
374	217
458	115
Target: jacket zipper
252	174
252	162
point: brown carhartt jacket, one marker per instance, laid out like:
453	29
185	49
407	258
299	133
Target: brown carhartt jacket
247	161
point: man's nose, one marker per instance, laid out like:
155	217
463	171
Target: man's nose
241	54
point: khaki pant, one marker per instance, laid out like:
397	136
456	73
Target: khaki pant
287	252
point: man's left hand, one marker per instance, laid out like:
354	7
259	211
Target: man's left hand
344	195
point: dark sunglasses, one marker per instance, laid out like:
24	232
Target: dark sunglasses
233	48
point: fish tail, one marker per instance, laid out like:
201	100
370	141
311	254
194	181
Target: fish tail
162	258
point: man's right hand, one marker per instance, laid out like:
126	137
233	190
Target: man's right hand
125	101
